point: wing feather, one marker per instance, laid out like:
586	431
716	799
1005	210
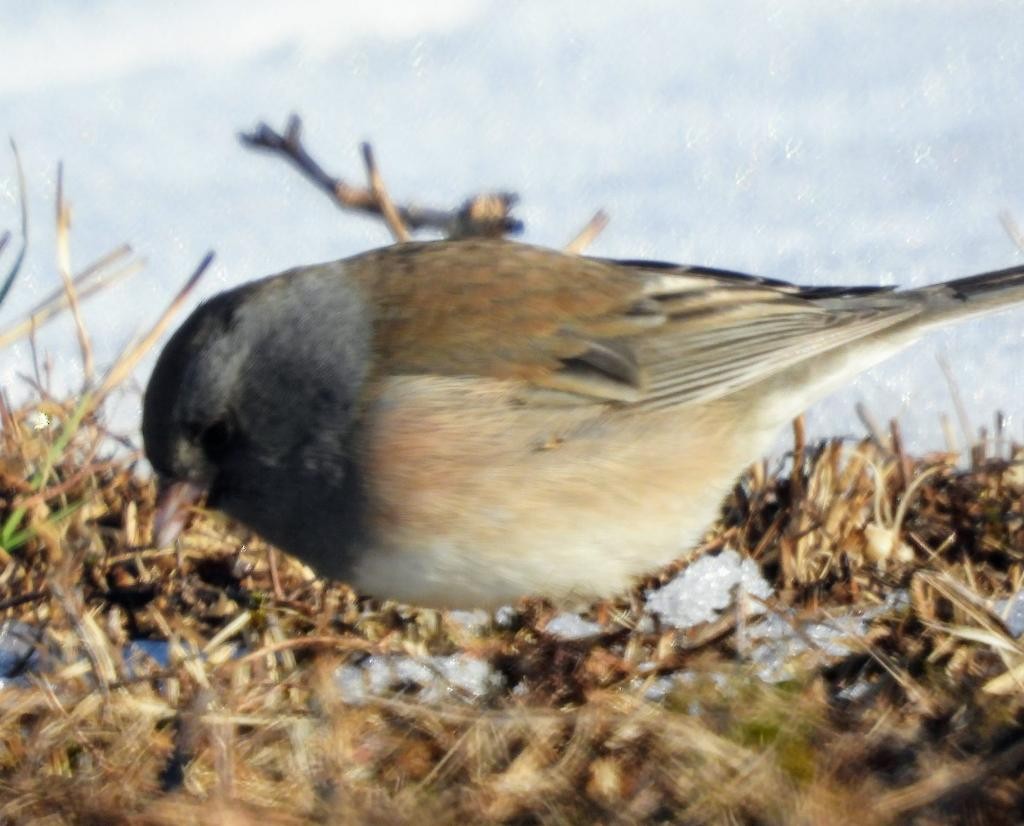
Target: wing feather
642	334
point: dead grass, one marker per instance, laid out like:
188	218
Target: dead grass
245	724
932	732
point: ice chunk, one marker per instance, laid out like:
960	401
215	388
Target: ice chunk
705	588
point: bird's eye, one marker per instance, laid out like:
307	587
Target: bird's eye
215	439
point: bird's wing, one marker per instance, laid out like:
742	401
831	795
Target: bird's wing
637	333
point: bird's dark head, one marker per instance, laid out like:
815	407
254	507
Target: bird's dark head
254	398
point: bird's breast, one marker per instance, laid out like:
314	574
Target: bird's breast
475	499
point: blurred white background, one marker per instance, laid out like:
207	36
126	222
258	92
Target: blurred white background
870	142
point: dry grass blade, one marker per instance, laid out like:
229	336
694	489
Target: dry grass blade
946	783
1009	683
871	425
123	367
12	274
958	401
64	268
90	282
1012	229
585	237
94	272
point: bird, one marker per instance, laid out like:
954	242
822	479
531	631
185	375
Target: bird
459	424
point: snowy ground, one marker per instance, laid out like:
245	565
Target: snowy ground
871	142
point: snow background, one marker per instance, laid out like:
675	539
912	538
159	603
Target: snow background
861	142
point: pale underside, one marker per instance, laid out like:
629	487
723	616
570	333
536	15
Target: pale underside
569	503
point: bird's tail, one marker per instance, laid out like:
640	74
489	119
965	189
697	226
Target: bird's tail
970	296
792	390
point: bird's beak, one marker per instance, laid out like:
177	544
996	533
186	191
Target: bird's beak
173	502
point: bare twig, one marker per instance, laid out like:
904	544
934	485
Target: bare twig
585	237
64	268
384	203
486	214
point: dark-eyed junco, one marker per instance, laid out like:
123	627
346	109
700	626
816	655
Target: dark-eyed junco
462	423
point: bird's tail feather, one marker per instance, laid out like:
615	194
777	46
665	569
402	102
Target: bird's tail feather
970	296
792	390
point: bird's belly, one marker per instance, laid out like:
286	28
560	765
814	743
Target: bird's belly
570	504
600	556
